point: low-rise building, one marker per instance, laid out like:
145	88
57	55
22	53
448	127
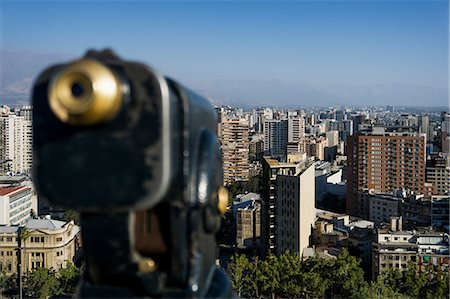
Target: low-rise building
49	244
248	221
17	204
396	248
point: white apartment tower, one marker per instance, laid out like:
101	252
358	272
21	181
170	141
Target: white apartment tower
16	142
296	128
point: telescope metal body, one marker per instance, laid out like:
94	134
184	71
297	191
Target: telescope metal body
136	153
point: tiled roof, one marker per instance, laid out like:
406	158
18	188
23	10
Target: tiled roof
9	189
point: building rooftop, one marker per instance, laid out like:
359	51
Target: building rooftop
9	189
248	196
45	224
275	163
8	229
9	180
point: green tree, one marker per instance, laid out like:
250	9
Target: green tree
436	285
346	276
70	215
316	280
68	279
241	272
377	289
268	276
3	282
41	283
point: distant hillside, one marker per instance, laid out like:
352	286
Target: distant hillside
18	71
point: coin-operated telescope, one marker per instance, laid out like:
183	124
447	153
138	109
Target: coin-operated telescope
136	153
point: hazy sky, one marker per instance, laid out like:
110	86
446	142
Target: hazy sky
317	42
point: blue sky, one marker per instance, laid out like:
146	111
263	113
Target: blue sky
319	43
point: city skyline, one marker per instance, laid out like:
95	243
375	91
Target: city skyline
291	53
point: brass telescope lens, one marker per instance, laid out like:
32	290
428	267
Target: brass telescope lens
85	93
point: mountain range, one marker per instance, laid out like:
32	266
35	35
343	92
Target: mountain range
18	70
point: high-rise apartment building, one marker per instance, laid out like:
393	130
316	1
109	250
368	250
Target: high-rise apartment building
16	142
332	138
276	138
296	128
235	149
271	188
438	172
296	211
383	162
316	148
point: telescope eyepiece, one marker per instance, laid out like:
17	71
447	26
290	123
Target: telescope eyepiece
85	93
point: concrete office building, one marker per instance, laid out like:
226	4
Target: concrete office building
276	138
269	211
332	138
296	128
438	172
235	150
296	211
385	161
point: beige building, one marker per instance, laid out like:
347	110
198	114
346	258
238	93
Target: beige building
316	148
438	172
248	223
296	211
235	150
50	244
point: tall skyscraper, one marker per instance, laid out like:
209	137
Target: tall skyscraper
271	169
16	142
424	123
276	138
383	162
296	128
235	150
296	212
438	172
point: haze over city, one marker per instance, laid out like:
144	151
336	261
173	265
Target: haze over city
289	54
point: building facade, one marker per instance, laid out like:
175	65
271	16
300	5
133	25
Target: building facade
438	173
385	161
15	143
269	198
17	204
276	138
50	244
397	249
235	150
296	211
